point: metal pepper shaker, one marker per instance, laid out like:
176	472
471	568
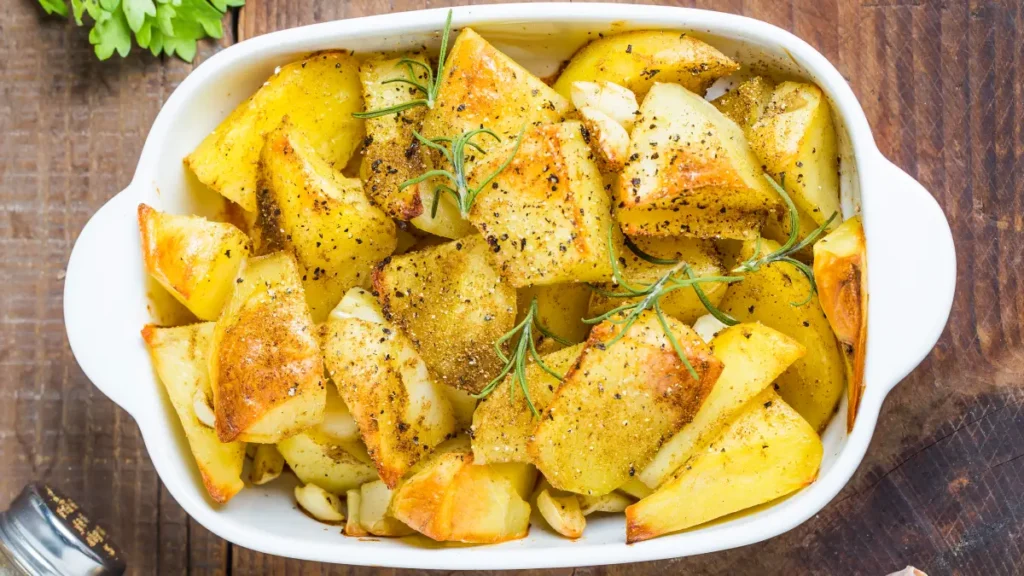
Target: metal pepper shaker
45	533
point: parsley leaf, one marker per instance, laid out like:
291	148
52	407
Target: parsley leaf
170	27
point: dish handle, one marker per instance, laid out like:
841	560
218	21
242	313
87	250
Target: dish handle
102	293
911	274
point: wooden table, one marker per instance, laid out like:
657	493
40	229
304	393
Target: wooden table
942	486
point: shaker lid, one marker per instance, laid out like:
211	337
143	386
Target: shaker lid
48	533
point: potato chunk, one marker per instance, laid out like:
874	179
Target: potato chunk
180	357
452	500
690	172
637	60
391	155
402	413
452	305
840	269
561	309
318	93
546	216
503	423
195	259
684	305
307	207
796	142
754	356
266	371
746	104
336	467
767	452
619	403
481	86
813	384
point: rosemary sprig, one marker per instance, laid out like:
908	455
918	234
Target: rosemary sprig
460	190
429	89
524	348
786	251
722	317
626	315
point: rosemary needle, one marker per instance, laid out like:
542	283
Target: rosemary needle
523	349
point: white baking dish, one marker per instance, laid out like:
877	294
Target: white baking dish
106	298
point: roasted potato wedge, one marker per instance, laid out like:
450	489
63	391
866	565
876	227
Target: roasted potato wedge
546	216
561	309
503	423
561	511
266	371
767	452
813	384
319	503
267	464
195	259
690	172
374	516
754	356
619	403
180	357
684	305
795	140
334	466
318	93
840	269
391	153
308	208
452	500
637	60
401	411
453	305
747	103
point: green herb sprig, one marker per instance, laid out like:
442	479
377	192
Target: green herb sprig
786	251
524	348
459	189
676	278
429	89
169	27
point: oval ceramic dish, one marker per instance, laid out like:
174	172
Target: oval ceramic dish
911	264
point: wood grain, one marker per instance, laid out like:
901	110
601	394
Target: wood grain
942	486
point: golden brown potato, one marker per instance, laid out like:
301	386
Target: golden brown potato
754	356
452	305
392	154
180	357
452	500
747	102
401	411
637	60
319	503
767	452
522	476
814	383
561	309
308	208
334	466
840	269
195	259
796	142
266	371
318	93
482	86
562	512
503	423
374	502
546	216
619	403
267	464
684	305
690	172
